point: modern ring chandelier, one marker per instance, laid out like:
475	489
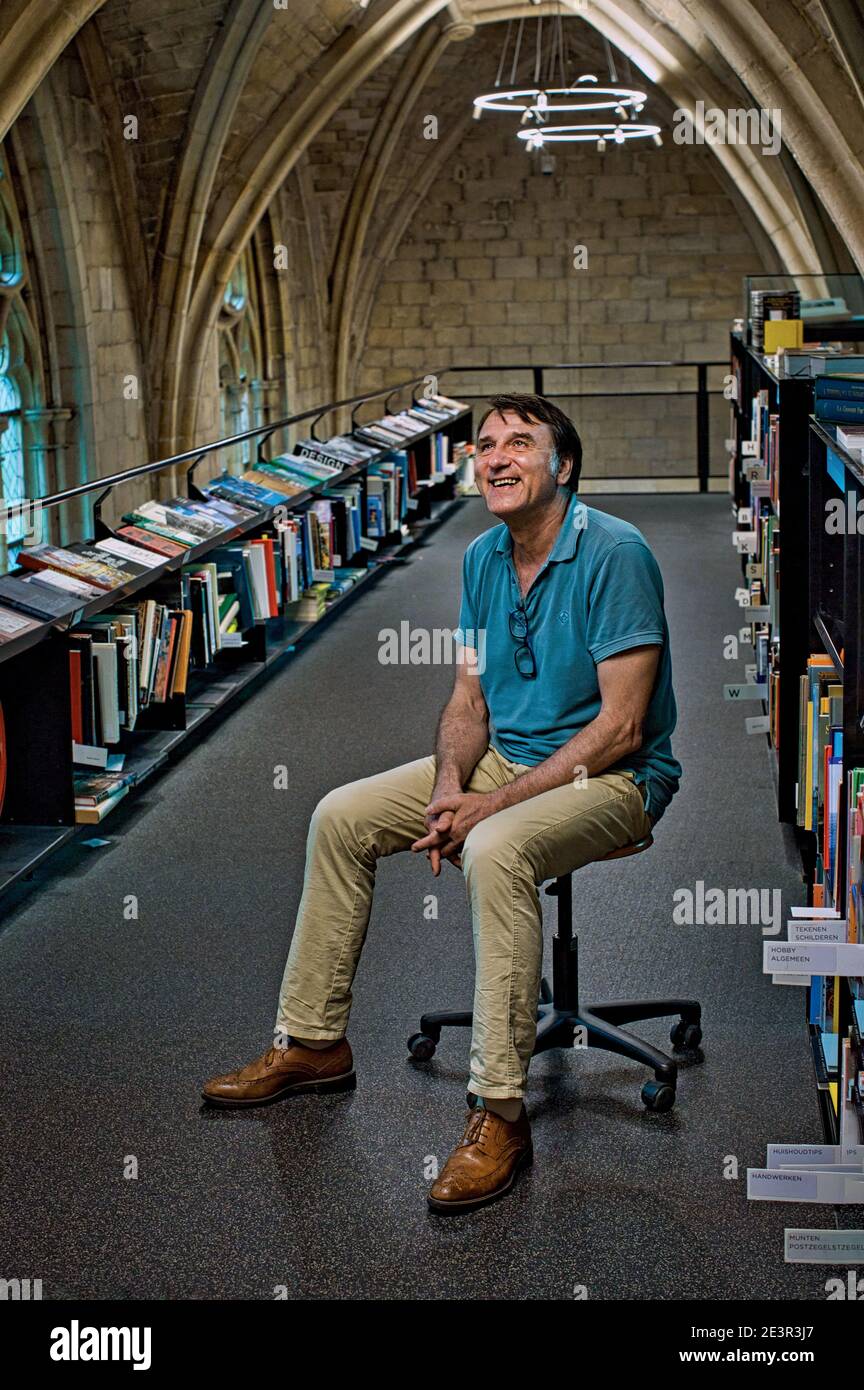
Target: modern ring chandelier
540	106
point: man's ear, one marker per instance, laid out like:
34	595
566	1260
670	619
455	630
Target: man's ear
564	471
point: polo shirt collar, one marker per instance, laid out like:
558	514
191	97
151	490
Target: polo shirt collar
566	540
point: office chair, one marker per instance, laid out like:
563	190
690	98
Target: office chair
559	1012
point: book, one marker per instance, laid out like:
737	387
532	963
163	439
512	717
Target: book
851	438
92	815
55	579
231	488
836	411
839	386
169	531
149	540
124	550
105	659
36	599
81	566
92	788
14	624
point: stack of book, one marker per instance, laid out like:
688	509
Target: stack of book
390	430
771	304
120	663
291	474
79	568
439	408
386	495
239	585
343	451
61	580
426	413
765	442
173	527
839	400
97	793
820	765
816	360
311	604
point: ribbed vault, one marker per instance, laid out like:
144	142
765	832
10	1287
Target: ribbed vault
240	100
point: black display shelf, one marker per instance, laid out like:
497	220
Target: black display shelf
791	398
106	601
215	690
837	626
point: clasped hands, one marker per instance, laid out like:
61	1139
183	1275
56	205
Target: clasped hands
450	816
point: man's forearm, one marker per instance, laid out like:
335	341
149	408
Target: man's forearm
461	741
600	744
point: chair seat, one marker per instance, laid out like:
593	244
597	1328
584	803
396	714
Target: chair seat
622	852
635	848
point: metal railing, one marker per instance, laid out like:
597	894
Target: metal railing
701	393
262	433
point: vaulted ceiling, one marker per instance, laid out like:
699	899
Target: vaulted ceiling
232	95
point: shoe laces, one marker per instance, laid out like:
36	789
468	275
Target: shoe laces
475	1128
271	1055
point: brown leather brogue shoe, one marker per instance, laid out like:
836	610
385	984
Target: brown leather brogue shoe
484	1163
284	1071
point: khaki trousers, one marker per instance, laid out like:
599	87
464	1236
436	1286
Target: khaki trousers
504	860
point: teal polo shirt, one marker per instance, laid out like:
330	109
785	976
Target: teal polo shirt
599	592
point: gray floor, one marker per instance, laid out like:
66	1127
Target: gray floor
109	1025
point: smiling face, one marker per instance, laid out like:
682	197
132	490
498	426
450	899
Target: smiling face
512	465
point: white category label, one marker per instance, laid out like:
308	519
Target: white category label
412	504
790	979
814	911
821	929
368	543
750	671
801	1185
748	448
803	1245
816	1156
759	724
743	692
745	542
90	755
813	958
745	516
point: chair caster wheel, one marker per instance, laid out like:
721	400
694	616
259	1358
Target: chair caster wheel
685	1037
421	1046
657	1095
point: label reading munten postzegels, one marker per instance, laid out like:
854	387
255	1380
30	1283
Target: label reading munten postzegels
807	1246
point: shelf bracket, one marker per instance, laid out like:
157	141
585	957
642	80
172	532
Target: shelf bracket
261	443
101	530
192	488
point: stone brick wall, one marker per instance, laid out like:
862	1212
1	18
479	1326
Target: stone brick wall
485	276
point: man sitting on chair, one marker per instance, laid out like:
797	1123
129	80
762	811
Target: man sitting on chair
552	751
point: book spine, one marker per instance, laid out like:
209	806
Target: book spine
830	388
836	411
